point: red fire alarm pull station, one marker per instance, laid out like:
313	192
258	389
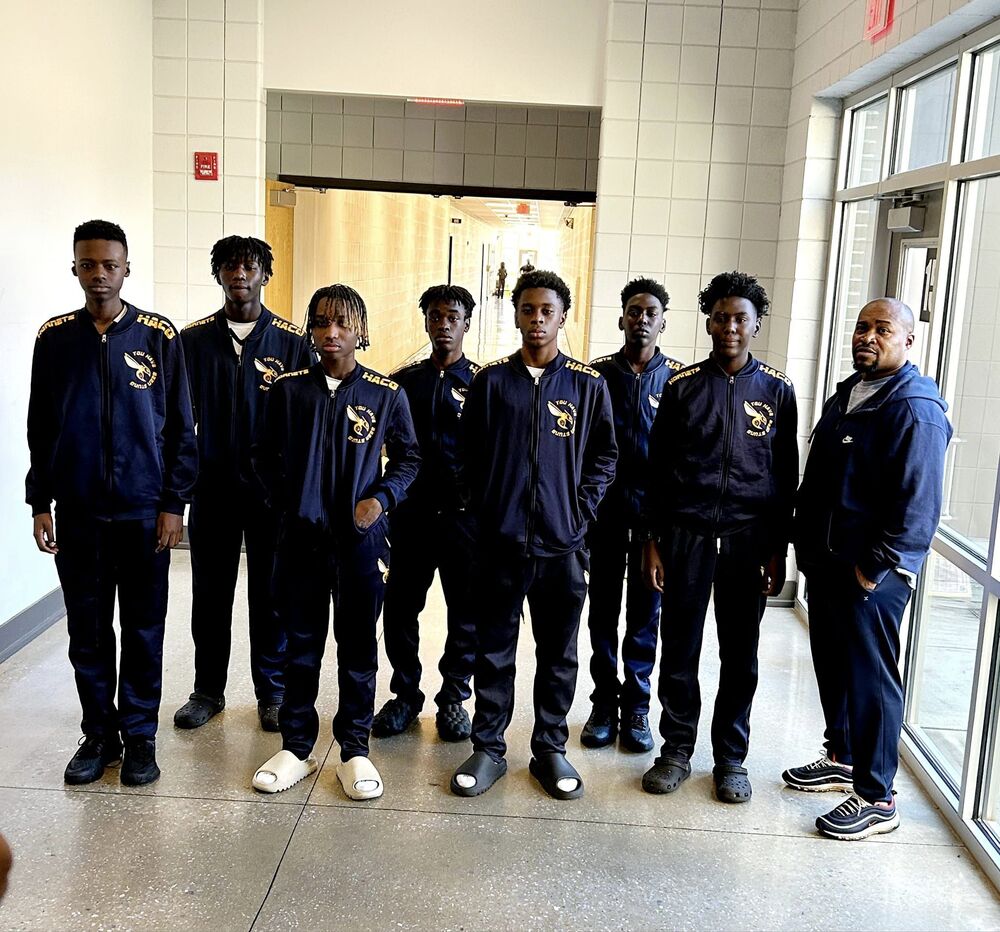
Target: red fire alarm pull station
878	19
206	166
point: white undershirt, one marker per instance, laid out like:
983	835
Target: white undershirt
332	384
535	371
240	331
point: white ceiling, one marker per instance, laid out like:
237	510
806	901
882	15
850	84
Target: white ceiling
503	211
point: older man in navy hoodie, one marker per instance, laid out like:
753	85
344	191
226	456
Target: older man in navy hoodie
866	514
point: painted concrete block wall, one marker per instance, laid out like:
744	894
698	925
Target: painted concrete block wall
78	150
392	139
692	146
207	96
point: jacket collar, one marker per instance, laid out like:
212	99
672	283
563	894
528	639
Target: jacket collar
710	366
131	313
889	387
655	363
260	325
459	366
517	364
318	374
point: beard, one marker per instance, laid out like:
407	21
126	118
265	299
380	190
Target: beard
865	367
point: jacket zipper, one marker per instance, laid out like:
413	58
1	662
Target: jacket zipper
536	395
237	395
727	446
327	489
634	439
106	414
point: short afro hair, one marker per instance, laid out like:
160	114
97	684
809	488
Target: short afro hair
100	229
354	305
733	285
645	286
245	248
542	279
450	294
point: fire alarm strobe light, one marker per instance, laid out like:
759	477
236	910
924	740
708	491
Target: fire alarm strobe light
206	166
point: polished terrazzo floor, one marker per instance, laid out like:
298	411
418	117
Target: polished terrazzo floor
200	850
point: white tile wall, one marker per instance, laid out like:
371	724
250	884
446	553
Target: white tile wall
207	96
697	189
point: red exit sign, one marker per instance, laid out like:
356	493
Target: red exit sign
206	166
878	18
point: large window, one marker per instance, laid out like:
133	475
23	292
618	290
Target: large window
928	141
924	121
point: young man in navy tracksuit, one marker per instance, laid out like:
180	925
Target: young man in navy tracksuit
636	376
234	357
433	529
319	458
723	448
866	514
111	438
541	451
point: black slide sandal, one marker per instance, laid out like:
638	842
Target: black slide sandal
484	769
549	769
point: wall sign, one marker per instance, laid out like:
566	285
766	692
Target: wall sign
878	18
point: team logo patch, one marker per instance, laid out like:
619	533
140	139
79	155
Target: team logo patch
144	369
761	416
459	395
270	369
654	400
565	414
362	427
383	568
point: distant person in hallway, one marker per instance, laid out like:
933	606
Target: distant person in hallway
501	281
636	376
234	356
724	453
433	529
111	439
540	453
319	461
527	267
866	514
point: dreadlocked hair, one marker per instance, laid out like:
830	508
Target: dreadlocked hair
241	248
100	229
542	279
734	285
450	294
353	304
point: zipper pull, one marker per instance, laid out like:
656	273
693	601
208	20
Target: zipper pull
732	379
538	380
441	373
104	338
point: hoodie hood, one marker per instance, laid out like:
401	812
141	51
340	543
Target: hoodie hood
907	385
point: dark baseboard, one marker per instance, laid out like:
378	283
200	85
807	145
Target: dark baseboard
785	598
25	626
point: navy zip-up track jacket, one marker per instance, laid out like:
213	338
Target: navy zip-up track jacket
872	490
110	426
540	453
229	391
635	398
320	453
724	454
437	398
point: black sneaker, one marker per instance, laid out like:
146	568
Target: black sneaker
635	734
395	717
268	713
856	818
94	754
601	728
821	776
139	766
453	722
198	710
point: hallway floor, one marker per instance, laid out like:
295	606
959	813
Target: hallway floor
200	850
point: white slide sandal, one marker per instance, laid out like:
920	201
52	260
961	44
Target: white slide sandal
282	772
359	778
